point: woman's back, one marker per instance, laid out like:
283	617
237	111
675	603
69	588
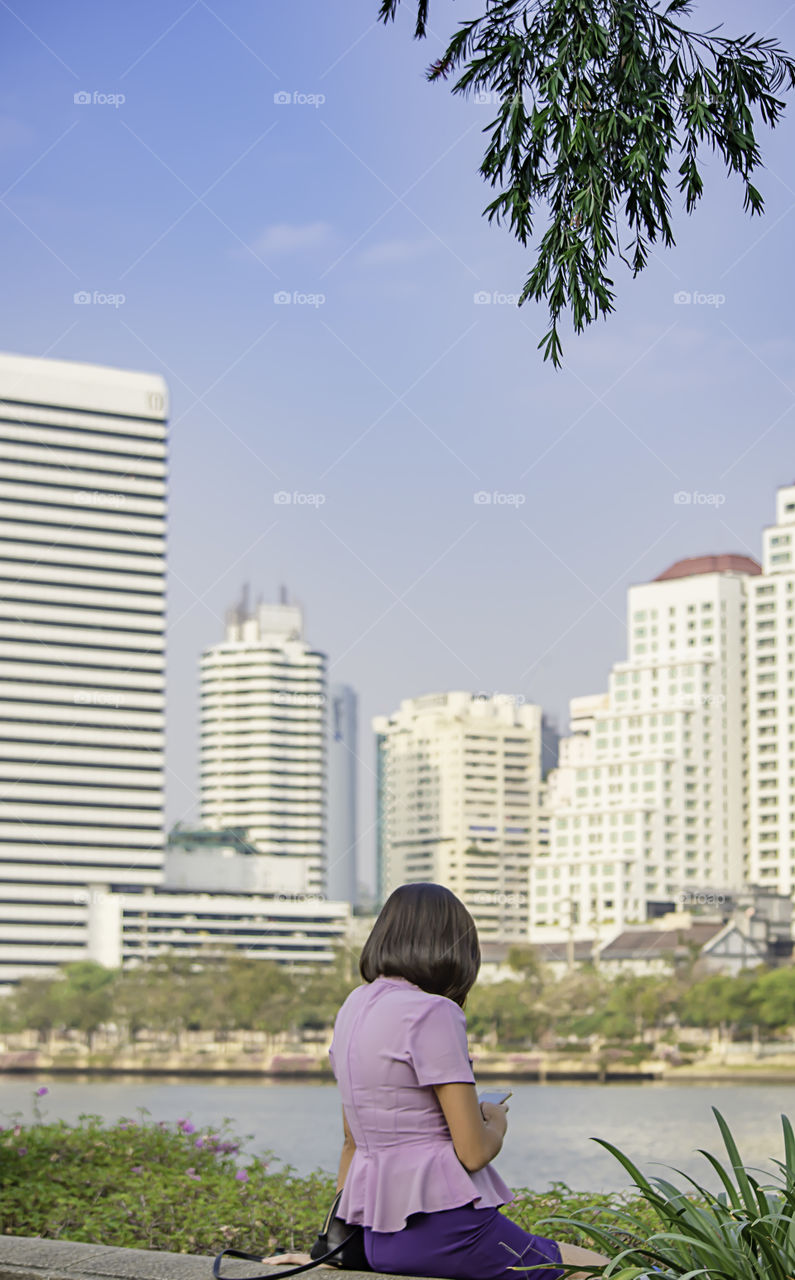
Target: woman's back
392	1043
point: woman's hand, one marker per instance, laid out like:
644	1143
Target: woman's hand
496	1116
477	1129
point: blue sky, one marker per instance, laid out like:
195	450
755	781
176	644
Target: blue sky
200	197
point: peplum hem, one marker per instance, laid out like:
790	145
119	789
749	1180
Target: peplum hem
383	1188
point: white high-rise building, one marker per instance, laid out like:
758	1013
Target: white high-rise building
771	706
648	801
82	640
459	779
263	735
343	773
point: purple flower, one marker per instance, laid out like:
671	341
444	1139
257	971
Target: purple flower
186	1126
199	1142
41	1092
191	1173
137	1168
241	1176
22	1151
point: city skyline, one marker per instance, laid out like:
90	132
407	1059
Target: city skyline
156	233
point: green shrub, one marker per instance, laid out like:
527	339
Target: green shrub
153	1186
746	1231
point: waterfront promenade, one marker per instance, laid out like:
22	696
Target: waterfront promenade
254	1055
33	1258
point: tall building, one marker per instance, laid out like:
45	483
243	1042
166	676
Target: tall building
343	762
771	705
459	779
263	735
648	801
82	640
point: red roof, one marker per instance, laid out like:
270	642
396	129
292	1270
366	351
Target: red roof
728	563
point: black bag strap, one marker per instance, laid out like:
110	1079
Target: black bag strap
291	1271
275	1275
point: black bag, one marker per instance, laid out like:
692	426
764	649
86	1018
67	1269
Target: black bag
337	1244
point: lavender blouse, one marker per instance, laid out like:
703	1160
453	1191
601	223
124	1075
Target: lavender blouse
393	1042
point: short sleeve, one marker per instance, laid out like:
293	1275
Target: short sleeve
438	1045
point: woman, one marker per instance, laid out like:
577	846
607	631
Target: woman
416	1160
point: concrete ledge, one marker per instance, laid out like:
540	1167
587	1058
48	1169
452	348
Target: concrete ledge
36	1258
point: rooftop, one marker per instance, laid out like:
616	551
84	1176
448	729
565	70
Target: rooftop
726	563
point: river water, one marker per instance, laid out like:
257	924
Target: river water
549	1131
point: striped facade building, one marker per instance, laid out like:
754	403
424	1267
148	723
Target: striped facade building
82	649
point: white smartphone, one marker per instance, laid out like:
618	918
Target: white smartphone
496	1096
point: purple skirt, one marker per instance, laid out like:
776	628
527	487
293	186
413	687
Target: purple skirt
463	1244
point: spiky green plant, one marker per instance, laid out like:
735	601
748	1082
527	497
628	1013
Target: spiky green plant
746	1231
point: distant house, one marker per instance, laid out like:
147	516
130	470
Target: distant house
731	950
720	946
645	951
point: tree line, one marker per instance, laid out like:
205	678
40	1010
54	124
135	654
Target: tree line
234	992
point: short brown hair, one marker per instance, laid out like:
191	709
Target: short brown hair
425	934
